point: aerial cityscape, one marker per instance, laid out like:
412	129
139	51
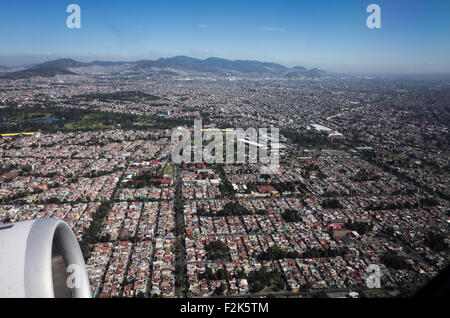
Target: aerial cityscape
361	189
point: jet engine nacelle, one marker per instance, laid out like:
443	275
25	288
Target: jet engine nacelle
41	259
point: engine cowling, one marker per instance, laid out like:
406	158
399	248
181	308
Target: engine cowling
41	259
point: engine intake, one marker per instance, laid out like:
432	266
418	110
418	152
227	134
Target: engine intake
41	259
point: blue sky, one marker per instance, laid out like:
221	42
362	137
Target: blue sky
330	34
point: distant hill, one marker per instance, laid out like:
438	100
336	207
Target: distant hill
299	68
47	69
61	63
43	72
301	72
212	65
224	66
171	67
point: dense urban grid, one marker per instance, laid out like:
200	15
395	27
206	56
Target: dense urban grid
363	179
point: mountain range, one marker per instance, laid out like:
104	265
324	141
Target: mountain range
178	65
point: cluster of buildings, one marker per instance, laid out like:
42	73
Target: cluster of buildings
79	216
200	182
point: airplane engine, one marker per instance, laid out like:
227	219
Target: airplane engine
41	259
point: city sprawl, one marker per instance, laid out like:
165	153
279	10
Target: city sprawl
363	178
